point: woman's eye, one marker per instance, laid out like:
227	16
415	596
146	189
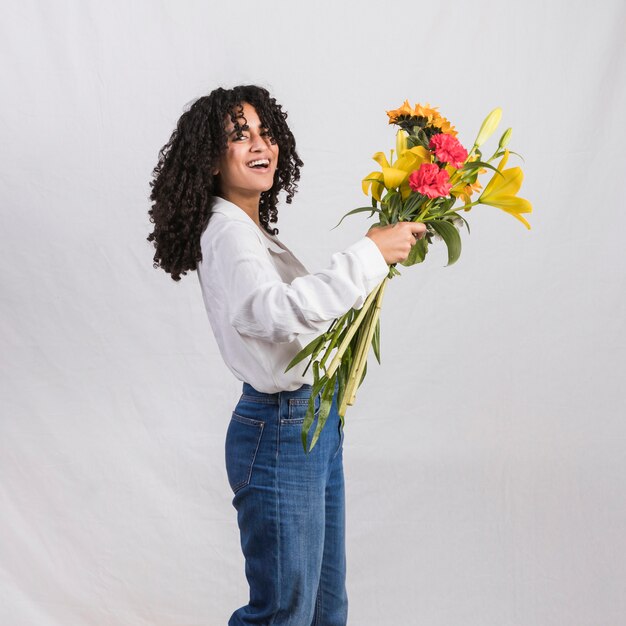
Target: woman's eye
265	133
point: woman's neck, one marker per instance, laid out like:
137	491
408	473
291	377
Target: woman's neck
248	204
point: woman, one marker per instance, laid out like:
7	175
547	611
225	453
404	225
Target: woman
214	196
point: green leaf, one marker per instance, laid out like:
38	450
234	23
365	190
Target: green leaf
441	206
412	141
362	375
307	350
469	177
310	414
417	137
448	203
412	205
333	337
318	383
451	236
476	165
421	136
395	205
314	357
500	153
376	341
325	406
342	377
418	252
361	209
327	397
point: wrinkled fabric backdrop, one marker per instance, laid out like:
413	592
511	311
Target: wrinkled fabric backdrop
484	459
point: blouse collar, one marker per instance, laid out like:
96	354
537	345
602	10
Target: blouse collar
233	212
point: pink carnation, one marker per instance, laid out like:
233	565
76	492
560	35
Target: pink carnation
448	149
430	181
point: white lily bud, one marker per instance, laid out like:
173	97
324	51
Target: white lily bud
401	142
488	126
504	140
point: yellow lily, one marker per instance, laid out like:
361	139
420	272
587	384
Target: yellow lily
501	191
375	180
395	174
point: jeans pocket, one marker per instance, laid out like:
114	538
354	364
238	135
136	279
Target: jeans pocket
298	408
242	443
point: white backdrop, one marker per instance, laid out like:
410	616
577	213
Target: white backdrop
484	460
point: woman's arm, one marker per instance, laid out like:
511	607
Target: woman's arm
261	305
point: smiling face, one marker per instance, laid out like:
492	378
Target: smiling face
247	166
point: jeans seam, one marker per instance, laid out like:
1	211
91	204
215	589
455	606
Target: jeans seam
318	605
246	420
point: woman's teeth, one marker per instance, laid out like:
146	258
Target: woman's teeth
259	163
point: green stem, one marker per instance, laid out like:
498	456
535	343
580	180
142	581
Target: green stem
364	346
334	364
422	213
466	206
451	212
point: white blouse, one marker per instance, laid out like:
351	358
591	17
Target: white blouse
259	298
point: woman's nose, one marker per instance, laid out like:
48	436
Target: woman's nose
256	142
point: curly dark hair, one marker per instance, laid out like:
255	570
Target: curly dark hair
184	186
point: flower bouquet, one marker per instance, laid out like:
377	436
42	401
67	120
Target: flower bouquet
431	179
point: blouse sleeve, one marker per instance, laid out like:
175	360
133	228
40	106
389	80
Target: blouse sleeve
261	305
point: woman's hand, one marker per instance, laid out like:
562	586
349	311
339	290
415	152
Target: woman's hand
395	240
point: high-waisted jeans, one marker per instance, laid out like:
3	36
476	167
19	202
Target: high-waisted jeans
290	510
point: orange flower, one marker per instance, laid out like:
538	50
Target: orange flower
432	116
464	191
405	109
444	125
435	119
430	113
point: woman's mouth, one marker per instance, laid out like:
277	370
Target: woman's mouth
261	165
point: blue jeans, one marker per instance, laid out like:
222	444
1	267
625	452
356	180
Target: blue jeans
290	510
